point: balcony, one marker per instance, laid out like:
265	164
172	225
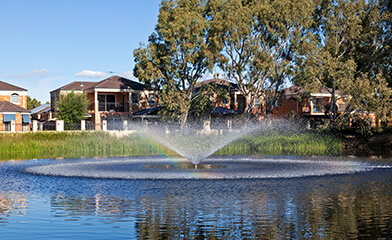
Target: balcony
111	107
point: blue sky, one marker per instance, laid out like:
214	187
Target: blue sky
45	44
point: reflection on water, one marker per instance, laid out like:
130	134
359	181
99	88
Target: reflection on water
330	207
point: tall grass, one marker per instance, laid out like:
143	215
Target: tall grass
74	144
304	143
90	144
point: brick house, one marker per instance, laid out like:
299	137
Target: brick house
13	113
112	98
311	106
236	100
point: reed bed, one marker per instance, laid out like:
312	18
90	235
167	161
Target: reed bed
74	144
95	144
301	144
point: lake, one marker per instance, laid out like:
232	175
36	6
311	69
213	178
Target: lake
350	204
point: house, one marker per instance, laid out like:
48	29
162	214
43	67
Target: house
13	113
235	101
312	106
41	113
112	99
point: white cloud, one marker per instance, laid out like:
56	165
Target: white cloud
36	72
91	74
127	74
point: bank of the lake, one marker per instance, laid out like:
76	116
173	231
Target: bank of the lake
90	144
72	144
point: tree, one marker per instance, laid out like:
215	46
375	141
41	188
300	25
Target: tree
256	43
329	60
350	52
32	103
202	105
373	53
72	107
176	56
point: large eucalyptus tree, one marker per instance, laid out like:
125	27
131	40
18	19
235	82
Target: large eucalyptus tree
176	55
348	53
256	42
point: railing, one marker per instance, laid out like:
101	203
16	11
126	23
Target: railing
110	107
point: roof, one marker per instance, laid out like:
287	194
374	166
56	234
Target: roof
119	82
219	82
224	111
7	86
295	90
41	108
10	107
148	111
111	82
77	86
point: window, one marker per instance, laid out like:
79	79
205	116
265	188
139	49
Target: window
135	97
257	101
15	98
7	126
317	105
106	102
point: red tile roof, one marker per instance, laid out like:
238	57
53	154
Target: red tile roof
77	86
10	107
111	82
119	82
7	86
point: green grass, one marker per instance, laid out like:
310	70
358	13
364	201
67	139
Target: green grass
90	144
74	144
284	144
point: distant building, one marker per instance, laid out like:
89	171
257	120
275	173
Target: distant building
112	98
41	113
13	113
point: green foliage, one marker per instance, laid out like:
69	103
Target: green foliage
349	52
72	107
176	56
201	105
344	45
32	103
255	43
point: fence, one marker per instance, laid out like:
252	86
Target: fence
72	126
49	126
115	124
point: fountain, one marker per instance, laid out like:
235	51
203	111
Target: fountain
224	197
195	146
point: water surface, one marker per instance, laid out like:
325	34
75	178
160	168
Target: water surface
344	205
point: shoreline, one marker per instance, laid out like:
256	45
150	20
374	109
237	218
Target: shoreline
41	145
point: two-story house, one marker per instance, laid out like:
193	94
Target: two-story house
114	97
235	101
312	105
13	113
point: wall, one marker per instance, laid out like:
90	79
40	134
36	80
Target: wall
285	108
18	122
6	96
